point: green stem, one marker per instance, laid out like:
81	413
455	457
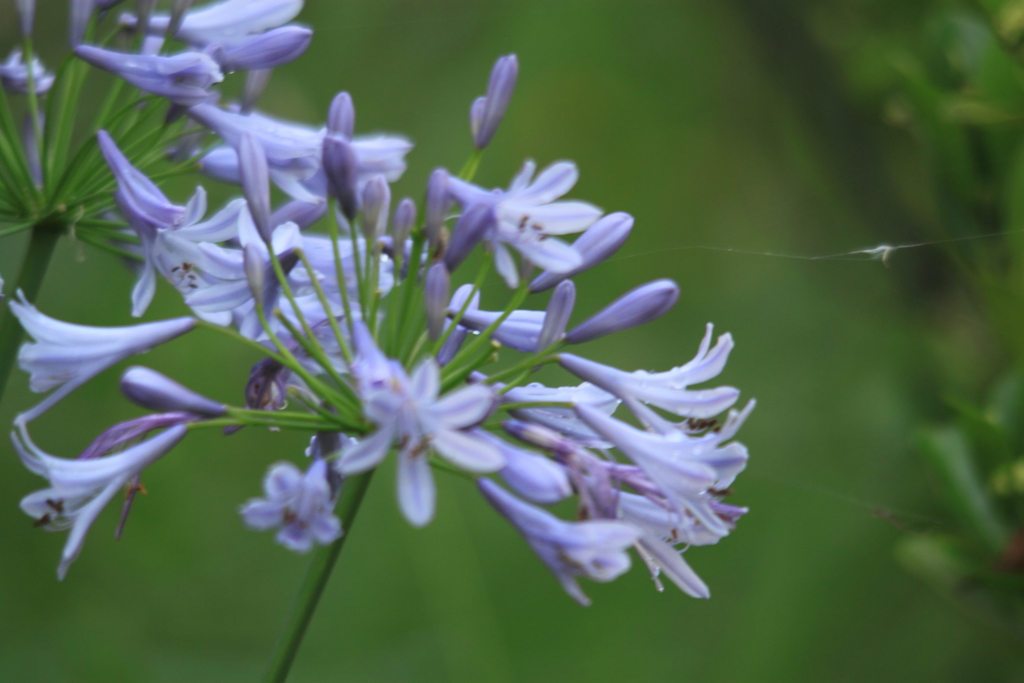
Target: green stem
352	491
30	279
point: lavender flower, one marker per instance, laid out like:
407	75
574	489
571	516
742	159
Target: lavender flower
80	489
665	390
594	549
14	75
65	356
435	294
183	78
294	152
227	23
300	504
409	411
529	217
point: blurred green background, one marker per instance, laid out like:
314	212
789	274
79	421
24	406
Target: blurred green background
720	125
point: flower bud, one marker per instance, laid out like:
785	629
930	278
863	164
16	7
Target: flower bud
636	307
537	435
436	290
341	117
255	83
27	12
471	228
156	392
78	20
476	115
266	50
376	205
402	222
558	313
340	164
303	214
254	266
252	165
437	205
485	116
595	245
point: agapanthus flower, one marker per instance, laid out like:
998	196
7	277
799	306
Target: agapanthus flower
529	217
183	78
80	489
408	411
14	74
226	23
65	356
595	549
365	347
298	503
294	152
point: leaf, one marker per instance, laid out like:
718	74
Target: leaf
948	451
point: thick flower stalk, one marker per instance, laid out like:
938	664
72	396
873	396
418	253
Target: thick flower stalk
367	313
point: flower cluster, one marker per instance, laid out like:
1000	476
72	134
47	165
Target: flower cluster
355	301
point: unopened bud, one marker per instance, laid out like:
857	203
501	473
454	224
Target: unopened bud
341	117
340	164
256	82
437	289
491	111
27	13
401	224
154	391
252	165
438	204
469	231
557	316
303	214
636	307
376	205
595	245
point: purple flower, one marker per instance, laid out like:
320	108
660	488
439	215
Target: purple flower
409	412
557	315
665	390
299	504
227	23
80	489
65	356
436	289
528	217
595	549
14	75
682	467
294	152
183	78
